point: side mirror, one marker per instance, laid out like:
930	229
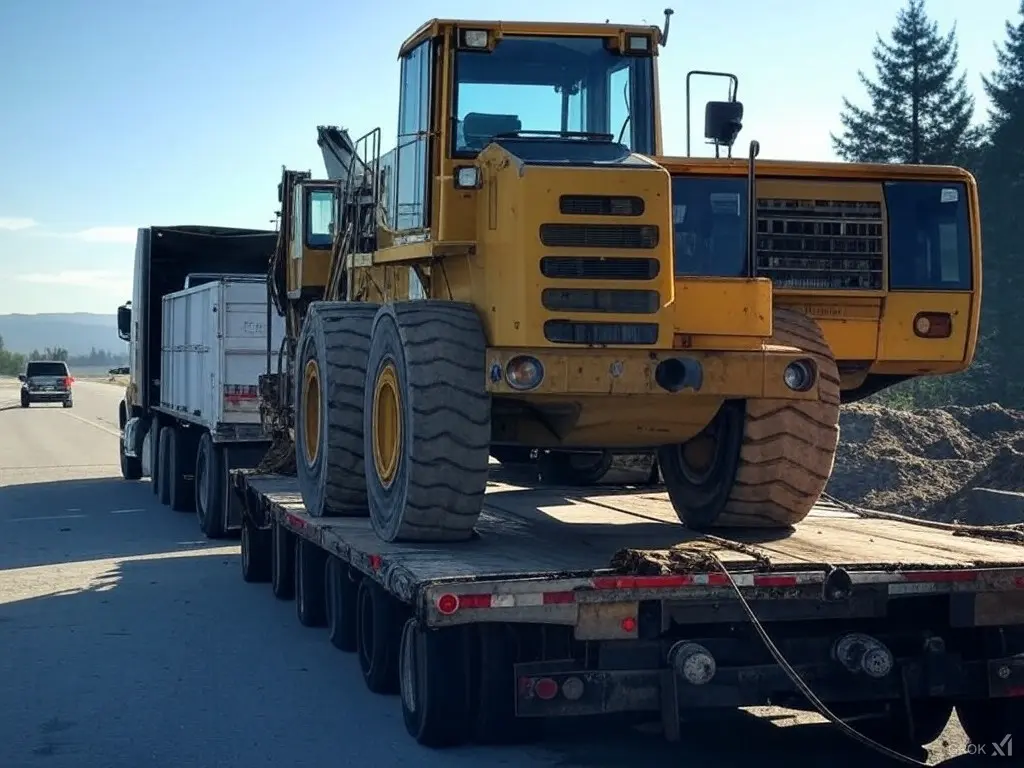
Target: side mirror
21	377
723	121
124	322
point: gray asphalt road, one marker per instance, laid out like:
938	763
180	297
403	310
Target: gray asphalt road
127	641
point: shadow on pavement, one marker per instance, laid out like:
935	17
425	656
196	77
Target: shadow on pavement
67	521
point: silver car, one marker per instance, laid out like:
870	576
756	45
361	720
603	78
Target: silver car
46	381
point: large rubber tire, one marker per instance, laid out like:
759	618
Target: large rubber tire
566	468
340	595
772	458
181	461
494	719
379	619
210	484
434	684
131	467
335	338
309	584
282	566
25	402
163	489
154	455
255	554
436	353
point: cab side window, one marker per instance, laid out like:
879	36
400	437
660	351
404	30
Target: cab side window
410	210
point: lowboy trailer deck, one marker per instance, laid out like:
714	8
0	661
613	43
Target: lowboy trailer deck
889	622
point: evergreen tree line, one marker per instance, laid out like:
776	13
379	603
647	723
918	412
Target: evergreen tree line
920	110
12	363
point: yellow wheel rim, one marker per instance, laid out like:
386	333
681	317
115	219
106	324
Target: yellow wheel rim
387	424
311	410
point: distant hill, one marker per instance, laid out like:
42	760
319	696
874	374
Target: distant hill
78	332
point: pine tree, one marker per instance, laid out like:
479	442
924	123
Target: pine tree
1001	181
921	110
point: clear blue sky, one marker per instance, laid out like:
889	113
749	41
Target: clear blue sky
116	114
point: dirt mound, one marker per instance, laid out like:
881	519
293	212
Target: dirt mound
922	462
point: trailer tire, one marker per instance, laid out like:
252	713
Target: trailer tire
163	490
330	373
426	421
180	490
766	462
131	466
562	467
154	455
309	583
988	721
434	684
256	554
497	651
378	634
210	480
282	569
340	593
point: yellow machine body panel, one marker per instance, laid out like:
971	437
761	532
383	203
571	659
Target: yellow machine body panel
886	258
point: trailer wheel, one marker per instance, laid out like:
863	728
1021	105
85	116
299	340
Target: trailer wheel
163	488
426	421
309	583
573	468
180	490
761	463
329	377
131	467
340	601
209	487
990	721
256	555
282	569
497	651
434	684
378	633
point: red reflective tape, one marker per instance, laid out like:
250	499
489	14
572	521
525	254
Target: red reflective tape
296	521
1019	582
775	581
1016	691
375	562
474	601
939	576
641	582
559	598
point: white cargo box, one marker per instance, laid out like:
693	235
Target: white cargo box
213	351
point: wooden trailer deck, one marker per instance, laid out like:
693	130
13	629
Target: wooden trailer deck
547	531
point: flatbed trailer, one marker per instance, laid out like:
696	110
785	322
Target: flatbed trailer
889	622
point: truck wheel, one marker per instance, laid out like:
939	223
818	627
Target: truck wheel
426	421
256	555
434	684
497	651
990	721
155	456
180	490
282	569
572	468
340	601
25	402
163	488
131	467
330	373
209	487
378	633
309	583
761	463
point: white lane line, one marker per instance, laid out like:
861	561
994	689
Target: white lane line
125	511
44	517
113	432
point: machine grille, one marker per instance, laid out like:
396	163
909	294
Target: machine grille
600	205
824	244
599	268
570	332
622	236
608	300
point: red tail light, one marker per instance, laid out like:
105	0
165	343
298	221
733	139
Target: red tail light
68	381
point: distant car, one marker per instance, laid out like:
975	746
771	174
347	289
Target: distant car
46	381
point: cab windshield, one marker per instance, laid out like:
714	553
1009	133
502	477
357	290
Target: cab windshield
552	85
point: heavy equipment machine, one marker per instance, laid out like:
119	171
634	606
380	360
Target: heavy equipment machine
505	277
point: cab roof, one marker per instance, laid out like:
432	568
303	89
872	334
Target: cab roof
434	27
